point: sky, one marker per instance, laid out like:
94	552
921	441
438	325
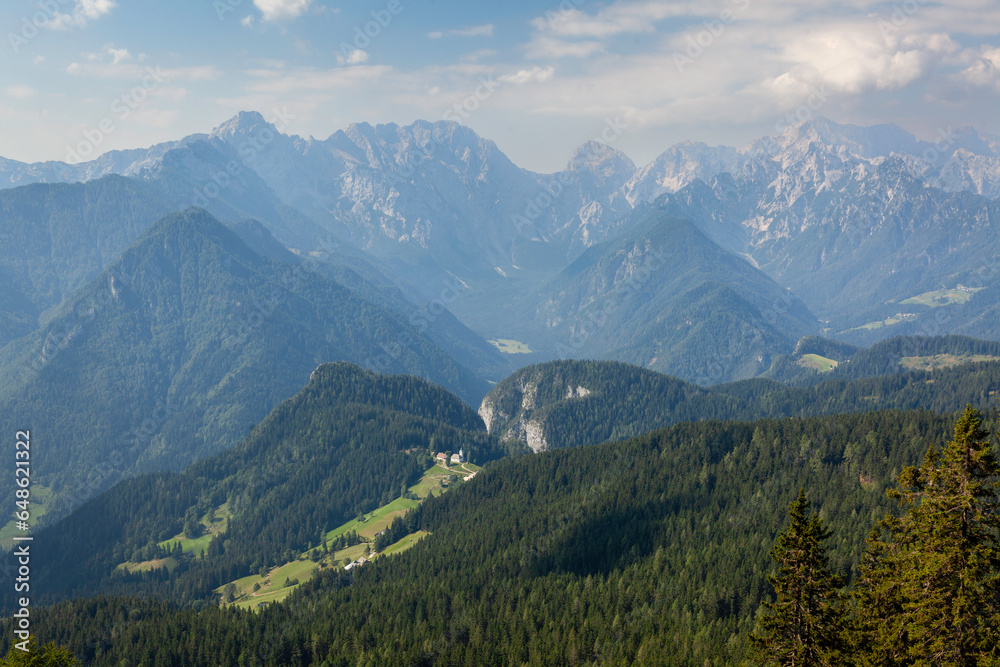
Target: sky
538	78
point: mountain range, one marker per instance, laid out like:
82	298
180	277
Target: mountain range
173	278
855	221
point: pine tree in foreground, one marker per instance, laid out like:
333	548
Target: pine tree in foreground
930	593
49	656
805	623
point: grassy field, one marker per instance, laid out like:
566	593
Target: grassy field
40	497
508	346
170	563
942	361
377	521
888	322
213	526
818	363
944	297
405	543
271	584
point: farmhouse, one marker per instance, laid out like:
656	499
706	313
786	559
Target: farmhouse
358	563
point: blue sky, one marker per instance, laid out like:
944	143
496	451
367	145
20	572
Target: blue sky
538	78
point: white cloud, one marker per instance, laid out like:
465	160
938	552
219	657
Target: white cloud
852	59
544	47
356	57
247	21
276	10
984	70
19	92
98	67
472	31
38	60
117	55
575	33
621	17
477	55
533	75
83	12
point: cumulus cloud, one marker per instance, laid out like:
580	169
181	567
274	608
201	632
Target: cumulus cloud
621	17
984	69
852	59
572	32
356	57
117	55
277	10
84	11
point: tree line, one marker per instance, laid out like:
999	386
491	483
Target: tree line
927	589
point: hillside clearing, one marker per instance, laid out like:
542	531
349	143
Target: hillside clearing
817	363
509	346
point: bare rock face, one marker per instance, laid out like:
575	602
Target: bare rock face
517	410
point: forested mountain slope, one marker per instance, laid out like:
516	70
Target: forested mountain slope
646	552
346	443
180	347
660	294
571	403
55	238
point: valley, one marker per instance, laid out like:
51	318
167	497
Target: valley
349	411
276	584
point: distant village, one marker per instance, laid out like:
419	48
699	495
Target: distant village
455	458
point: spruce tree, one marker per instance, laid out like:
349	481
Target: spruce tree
930	595
805	624
49	656
876	597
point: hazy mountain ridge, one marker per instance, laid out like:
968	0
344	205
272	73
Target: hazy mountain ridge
661	295
343	443
193	333
854	220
